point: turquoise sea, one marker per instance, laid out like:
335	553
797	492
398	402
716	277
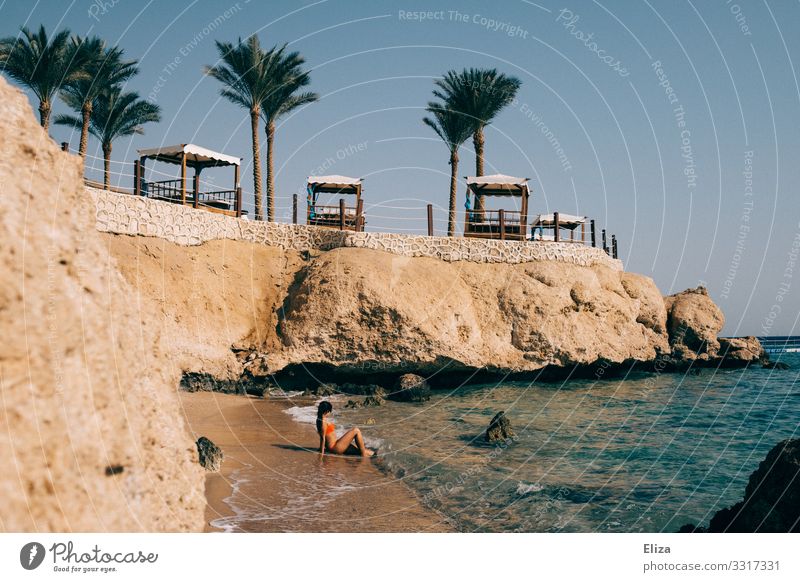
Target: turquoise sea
644	453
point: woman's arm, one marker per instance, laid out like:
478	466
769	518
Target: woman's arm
322	438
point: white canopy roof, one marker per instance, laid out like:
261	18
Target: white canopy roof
194	153
334	180
565	220
496	181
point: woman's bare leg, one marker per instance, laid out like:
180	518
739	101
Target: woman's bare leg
341	444
354	434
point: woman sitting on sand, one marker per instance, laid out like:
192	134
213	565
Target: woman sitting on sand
350	442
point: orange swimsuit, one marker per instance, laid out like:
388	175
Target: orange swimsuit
330	428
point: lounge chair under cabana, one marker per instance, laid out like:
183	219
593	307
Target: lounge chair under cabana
496	224
188	155
556	222
341	215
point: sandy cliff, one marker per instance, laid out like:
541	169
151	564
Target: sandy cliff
357	308
232	309
90	430
229	308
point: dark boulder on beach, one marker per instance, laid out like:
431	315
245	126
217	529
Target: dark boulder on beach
411	388
499	429
771	501
211	456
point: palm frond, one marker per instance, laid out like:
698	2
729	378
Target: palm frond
40	63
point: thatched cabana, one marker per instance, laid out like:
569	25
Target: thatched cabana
497	224
340	215
197	158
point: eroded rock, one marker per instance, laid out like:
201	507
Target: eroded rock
410	388
693	323
499	429
211	456
771	500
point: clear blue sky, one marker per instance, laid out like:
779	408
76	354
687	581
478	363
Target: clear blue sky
626	149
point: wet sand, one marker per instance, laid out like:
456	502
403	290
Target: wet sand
274	480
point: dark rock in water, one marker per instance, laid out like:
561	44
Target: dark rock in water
772	498
769	365
411	388
499	429
211	456
325	389
736	352
368	401
373	401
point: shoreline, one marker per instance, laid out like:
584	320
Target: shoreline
272	479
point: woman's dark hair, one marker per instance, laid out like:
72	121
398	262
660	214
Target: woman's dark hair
324	407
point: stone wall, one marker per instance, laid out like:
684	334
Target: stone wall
135	215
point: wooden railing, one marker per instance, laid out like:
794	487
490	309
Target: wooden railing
339	216
223	201
499	224
171	190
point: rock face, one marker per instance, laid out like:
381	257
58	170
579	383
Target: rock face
361	309
771	500
693	322
211	455
89	415
410	388
499	429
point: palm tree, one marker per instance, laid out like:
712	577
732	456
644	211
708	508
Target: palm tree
286	78
479	94
245	73
454	128
105	68
41	64
114	114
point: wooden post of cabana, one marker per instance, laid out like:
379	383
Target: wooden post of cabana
340	215
594	237
198	159
505	224
137	178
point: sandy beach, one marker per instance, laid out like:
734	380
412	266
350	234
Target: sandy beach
273	479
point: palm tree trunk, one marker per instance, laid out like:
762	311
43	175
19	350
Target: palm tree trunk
106	166
86	113
254	115
270	175
451	220
477	141
44	114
